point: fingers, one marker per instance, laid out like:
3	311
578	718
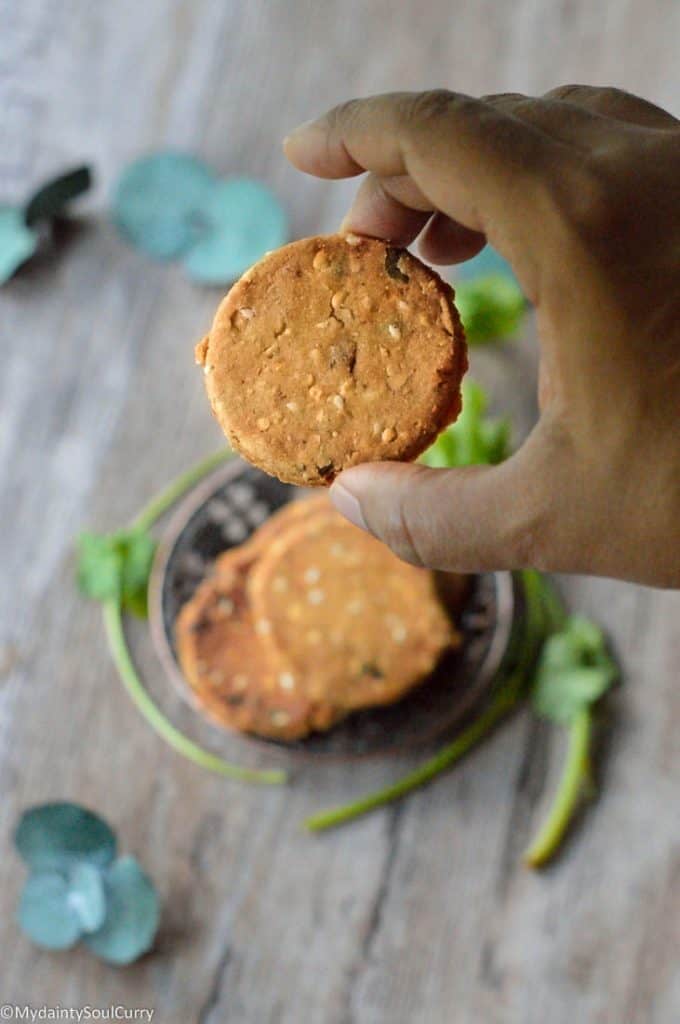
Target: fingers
477	164
445	241
396	209
463	520
615	103
391	208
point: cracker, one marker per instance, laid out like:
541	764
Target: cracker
229	671
353	624
334	351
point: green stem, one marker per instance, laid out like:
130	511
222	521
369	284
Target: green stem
113	621
575	777
506	699
177	487
453	752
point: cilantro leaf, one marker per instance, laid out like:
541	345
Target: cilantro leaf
99	567
116	567
473	439
491	307
574	671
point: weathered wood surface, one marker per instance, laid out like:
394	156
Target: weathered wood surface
416	915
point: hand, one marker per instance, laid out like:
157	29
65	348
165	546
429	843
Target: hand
580	191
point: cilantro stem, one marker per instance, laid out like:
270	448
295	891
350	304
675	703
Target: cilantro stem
145	519
115	634
505	700
447	756
574	780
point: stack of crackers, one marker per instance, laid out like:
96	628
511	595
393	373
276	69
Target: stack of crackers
308	621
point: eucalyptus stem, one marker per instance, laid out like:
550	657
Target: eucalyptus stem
145	519
574	781
115	634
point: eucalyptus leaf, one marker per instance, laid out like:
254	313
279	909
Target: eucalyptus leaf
133	914
50	200
86	896
158	202
17	242
45	913
243	220
56	836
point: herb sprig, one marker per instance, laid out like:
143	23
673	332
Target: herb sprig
114	569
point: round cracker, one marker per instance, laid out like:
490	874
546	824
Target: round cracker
228	669
352	623
333	351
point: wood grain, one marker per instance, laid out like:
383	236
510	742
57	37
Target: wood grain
419	914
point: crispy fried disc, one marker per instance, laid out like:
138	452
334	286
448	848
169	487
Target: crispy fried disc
353	624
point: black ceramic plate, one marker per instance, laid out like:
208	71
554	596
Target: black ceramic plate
222	512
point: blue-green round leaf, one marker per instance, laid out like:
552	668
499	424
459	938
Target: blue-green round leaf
56	836
157	203
45	913
132	914
49	201
86	895
243	221
17	242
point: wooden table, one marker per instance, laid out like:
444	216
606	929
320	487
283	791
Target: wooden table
420	914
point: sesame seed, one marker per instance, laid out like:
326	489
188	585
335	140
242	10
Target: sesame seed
338	401
225	605
279	717
352	239
287	680
315	596
292	406
388	434
394	331
263	627
312	575
263	423
246	313
279	584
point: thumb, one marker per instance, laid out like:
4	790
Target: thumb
474	519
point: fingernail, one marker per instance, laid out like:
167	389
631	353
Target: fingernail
348	506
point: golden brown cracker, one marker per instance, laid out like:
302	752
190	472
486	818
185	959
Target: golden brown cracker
333	351
353	624
228	669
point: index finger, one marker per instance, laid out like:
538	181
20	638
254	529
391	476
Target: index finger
481	166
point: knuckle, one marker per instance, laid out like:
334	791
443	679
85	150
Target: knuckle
425	107
571	91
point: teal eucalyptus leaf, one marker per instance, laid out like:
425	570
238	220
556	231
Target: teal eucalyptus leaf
86	896
57	836
51	198
132	916
17	241
45	913
243	220
158	203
